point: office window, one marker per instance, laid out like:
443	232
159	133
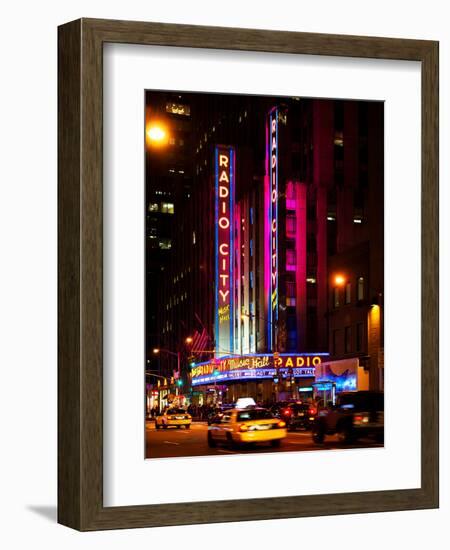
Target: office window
290	223
290	289
165	244
290	258
359	336
153	207
336	296
360	288
178	109
335	341
348	293
167	207
348	340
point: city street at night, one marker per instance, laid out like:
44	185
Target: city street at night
174	442
264	273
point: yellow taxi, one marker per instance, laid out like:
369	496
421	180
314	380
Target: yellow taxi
173	416
245	426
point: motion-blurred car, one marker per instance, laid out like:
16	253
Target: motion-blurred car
277	407
299	415
246	426
356	414
218	412
173	416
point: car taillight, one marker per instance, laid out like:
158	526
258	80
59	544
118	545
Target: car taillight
281	424
243	428
286	412
312	410
360	419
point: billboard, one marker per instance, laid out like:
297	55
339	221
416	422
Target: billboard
260	365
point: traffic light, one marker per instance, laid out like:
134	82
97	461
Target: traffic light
179	382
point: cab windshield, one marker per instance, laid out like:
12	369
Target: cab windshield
254	415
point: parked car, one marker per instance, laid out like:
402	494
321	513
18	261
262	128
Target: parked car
356	414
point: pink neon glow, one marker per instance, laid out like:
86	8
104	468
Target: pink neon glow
267	225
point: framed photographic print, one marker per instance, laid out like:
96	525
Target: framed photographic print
248	274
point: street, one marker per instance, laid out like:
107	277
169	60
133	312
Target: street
174	442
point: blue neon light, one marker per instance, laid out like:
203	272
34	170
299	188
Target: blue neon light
272	304
250	374
276	218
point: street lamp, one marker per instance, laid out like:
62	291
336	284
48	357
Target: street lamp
156	134
339	279
189	340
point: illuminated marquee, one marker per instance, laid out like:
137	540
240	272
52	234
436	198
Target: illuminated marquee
255	366
224	207
272	157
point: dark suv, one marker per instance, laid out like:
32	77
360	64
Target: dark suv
356	414
298	415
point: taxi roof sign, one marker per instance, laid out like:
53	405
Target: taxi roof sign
244	402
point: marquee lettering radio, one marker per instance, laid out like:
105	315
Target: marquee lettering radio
255	366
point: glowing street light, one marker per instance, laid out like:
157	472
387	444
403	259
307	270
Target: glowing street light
156	133
189	340
339	280
155	350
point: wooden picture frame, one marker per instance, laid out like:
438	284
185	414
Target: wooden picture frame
80	271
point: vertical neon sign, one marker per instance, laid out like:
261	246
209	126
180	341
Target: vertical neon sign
224	248
272	171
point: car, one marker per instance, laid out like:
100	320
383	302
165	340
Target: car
299	415
355	414
173	416
217	412
238	427
277	407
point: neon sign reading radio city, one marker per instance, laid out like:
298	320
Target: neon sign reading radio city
224	207
273	222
